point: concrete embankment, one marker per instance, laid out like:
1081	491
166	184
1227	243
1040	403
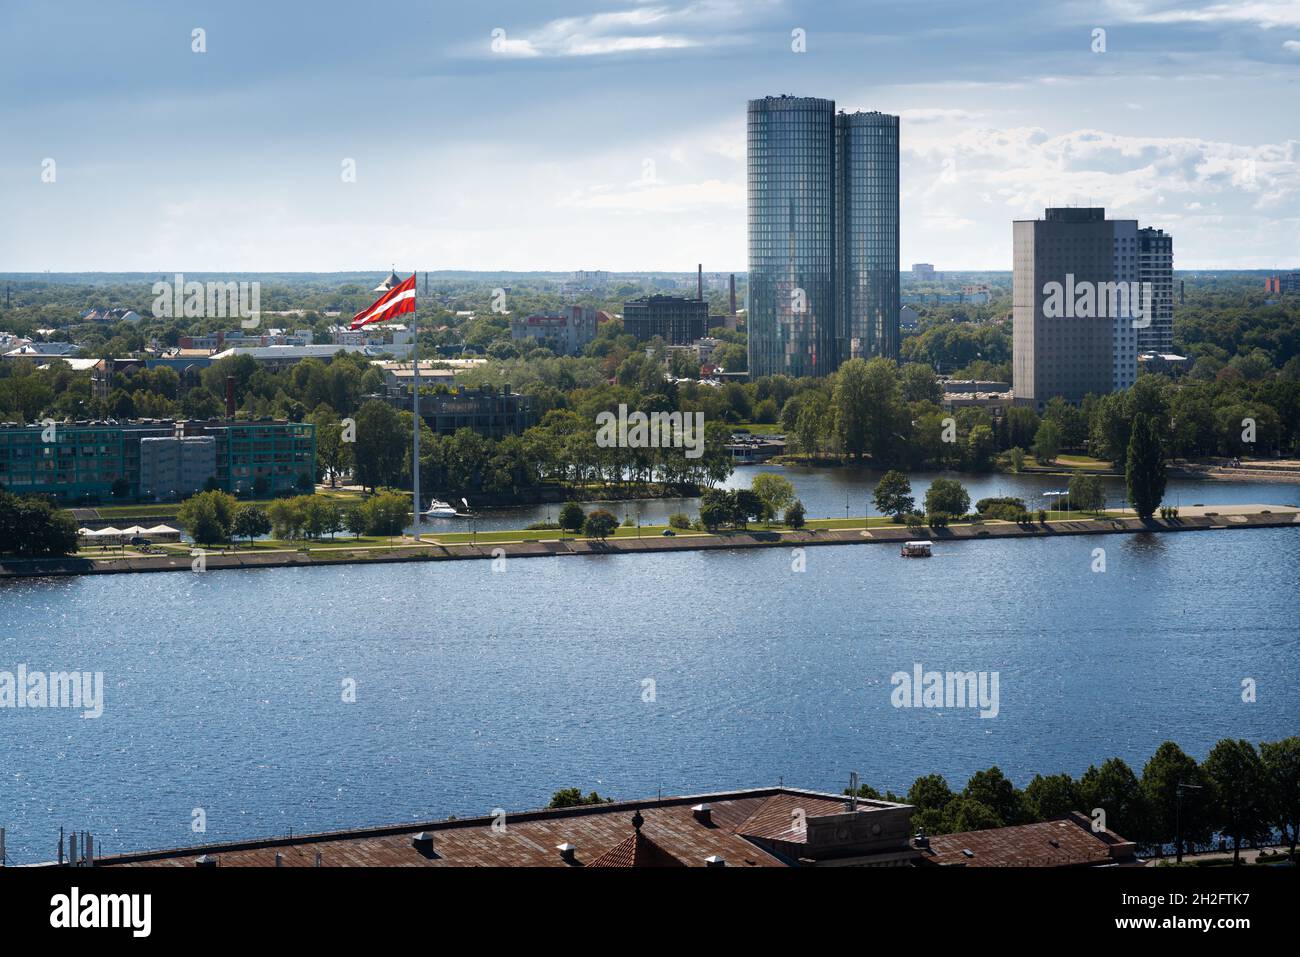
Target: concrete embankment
1207	519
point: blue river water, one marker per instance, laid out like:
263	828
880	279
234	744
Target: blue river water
476	689
846	492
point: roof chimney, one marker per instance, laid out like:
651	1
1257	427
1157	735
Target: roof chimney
206	860
713	860
703	813
568	852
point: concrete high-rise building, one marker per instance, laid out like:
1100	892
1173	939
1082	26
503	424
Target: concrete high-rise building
1156	266
866	234
1076	294
823	236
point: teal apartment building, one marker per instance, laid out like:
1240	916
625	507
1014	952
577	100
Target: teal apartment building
98	462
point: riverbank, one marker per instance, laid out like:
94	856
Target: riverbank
532	545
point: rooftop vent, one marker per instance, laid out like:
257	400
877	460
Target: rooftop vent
921	841
568	852
206	860
713	860
967	852
703	813
423	842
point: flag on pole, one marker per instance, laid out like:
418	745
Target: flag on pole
398	300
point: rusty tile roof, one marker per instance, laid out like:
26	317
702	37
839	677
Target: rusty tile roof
1065	842
600	833
637	851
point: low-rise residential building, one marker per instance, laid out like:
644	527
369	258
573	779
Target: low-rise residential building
391	337
565	333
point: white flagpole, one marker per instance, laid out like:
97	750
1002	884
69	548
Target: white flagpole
415	417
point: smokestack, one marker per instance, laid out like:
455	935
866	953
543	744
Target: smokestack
699	283
230	397
733	293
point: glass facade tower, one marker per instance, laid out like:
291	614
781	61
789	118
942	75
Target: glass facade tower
791	236
823	236
866	234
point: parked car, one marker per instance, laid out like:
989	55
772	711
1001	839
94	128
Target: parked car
137	540
668	533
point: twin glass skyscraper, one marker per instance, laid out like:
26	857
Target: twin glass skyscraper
823	236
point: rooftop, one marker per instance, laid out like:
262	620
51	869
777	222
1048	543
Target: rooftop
763	827
1066	842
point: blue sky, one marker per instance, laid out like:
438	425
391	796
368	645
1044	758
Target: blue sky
609	134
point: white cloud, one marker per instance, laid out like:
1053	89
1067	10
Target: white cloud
705	23
1292	45
1262	13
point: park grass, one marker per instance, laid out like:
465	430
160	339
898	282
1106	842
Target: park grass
1068	463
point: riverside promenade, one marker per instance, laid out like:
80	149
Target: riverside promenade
534	544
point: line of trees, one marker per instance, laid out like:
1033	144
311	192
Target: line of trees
32	528
1239	793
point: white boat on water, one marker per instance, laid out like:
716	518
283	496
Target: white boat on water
916	550
439	509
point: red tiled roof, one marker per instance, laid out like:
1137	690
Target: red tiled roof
637	851
532	838
1064	842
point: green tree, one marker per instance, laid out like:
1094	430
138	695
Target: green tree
1282	785
208	516
893	494
1114	788
1086	492
1168	767
600	523
572	797
1016	458
1238	792
572	517
980	447
1145	473
1052	796
387	512
775	491
746	507
994	790
380	449
794	515
947	496
1047	442
31	526
249	522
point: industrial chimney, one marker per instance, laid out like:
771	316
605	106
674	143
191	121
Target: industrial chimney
699	283
230	397
733	293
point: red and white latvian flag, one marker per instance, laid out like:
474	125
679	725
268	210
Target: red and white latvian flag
398	300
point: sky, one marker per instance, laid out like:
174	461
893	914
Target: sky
610	134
